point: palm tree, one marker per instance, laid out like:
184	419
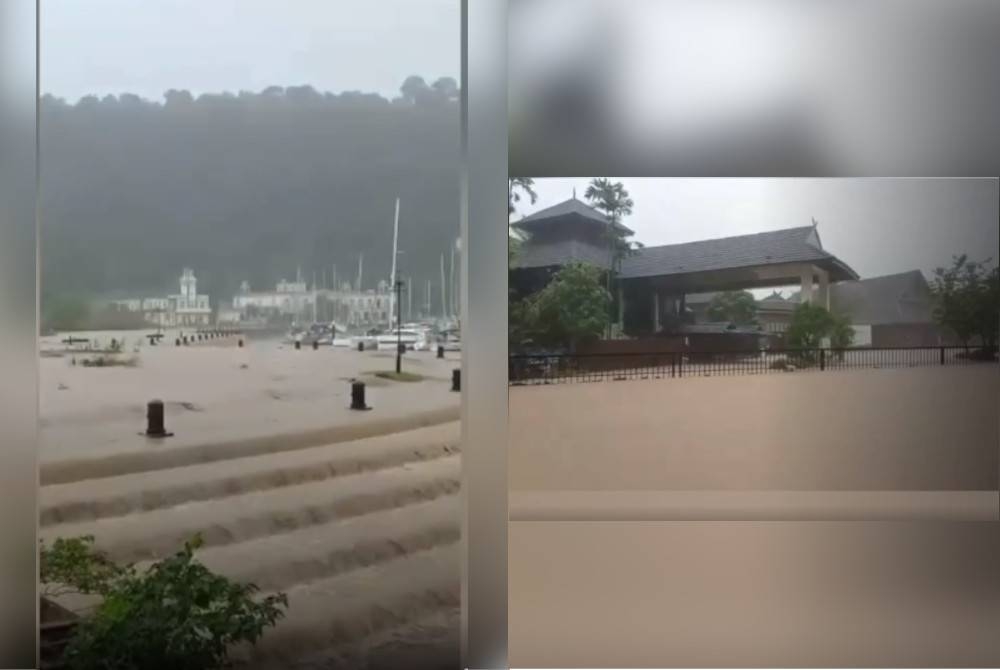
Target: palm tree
516	188
613	200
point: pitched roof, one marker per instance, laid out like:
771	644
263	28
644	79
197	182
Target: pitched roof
774	297
569	208
897	298
773	247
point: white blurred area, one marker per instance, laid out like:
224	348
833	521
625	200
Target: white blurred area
754	87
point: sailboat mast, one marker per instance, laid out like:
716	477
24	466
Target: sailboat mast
444	292
451	283
392	276
361	260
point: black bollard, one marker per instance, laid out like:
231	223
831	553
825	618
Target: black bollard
456	379
177	342
440	351
154	420
358	396
315	345
240	343
361	346
185	340
298	345
402	348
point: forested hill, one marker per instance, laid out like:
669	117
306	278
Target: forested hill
246	186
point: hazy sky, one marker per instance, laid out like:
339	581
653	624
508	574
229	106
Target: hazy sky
149	46
877	226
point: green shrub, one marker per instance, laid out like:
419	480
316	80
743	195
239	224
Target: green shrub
175	614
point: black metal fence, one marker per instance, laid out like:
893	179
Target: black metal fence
563	368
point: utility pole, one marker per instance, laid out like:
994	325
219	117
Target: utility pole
399	326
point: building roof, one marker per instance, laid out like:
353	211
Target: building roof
770	248
569	210
563	252
897	298
774	297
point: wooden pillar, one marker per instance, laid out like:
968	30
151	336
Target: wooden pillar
621	307
824	289
807	285
656	311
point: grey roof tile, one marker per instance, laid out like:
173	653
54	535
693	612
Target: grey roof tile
571	207
777	246
898	298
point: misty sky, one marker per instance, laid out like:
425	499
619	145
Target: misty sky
877	226
147	47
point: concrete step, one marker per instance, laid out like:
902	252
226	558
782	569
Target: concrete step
148	457
317	552
147	491
359	605
258	514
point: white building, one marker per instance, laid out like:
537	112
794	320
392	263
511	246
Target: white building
295	300
187	308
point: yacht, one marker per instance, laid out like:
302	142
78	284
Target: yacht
414	339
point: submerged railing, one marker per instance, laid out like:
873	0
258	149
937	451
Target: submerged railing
565	368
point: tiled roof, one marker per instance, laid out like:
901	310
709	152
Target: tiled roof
773	247
779	246
896	298
571	207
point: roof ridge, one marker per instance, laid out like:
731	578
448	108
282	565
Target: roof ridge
733	237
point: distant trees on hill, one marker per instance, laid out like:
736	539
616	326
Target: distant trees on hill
246	186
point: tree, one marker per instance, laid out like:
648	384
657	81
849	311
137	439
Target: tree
446	88
613	200
967	299
811	324
242	187
736	307
65	312
841	333
175	614
571	309
518	187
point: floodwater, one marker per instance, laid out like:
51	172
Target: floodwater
216	391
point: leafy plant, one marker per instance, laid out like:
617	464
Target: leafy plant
572	308
736	307
175	614
967	297
811	324
518	187
72	565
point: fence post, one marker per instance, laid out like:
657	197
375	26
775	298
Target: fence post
822	359
942	355
673	364
680	364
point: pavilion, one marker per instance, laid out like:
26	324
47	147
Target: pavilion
654	281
